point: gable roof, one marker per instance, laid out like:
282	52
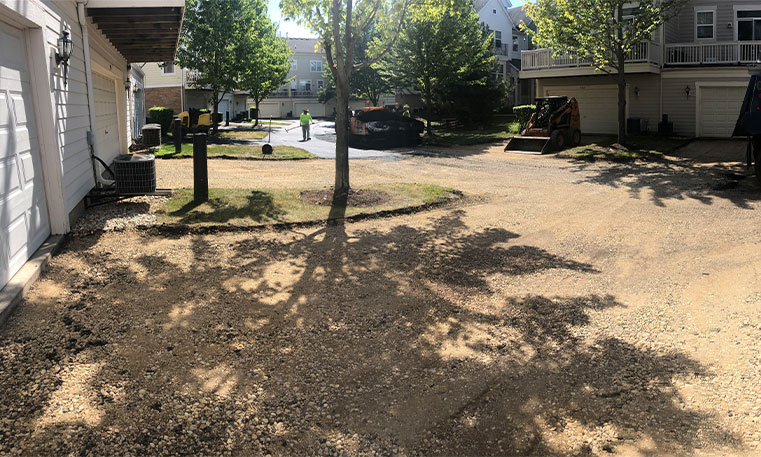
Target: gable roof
518	16
479	4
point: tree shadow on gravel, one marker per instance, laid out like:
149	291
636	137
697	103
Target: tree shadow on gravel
398	341
668	179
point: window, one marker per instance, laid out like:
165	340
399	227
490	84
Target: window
320	84
168	68
305	85
494	11
705	24
315	66
515	43
497	39
749	25
294	65
499	71
293	85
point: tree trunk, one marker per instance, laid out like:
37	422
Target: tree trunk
428	108
342	139
621	99
214	116
256	121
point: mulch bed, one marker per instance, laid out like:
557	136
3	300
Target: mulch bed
358	198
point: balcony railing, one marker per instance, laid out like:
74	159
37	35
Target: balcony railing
538	59
727	53
293	94
191	77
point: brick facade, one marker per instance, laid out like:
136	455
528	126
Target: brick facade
170	97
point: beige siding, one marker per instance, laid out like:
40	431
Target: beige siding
155	77
646	105
684	32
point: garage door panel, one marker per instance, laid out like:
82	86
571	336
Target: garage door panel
23	213
598	106
718	110
269	110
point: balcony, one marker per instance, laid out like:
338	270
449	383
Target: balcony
538	63
713	53
293	94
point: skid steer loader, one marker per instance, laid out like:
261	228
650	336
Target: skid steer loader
554	125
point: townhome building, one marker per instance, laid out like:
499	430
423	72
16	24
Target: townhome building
306	79
506	21
66	103
170	86
694	70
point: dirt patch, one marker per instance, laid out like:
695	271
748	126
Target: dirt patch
358	198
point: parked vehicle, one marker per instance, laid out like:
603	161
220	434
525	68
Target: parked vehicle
749	122
554	125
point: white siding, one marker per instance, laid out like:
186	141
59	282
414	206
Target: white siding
72	114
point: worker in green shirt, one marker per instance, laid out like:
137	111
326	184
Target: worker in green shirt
305	119
406	111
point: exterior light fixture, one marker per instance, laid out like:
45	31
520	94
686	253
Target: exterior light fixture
127	83
636	91
63	54
687	91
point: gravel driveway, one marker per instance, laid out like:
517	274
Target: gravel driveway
570	309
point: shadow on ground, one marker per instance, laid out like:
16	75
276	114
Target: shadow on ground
389	342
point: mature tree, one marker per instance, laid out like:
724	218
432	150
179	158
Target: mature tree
366	82
213	41
442	44
339	24
267	61
606	31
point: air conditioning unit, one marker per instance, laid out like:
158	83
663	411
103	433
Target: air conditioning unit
152	135
135	174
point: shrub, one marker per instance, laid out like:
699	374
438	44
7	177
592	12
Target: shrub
162	116
523	114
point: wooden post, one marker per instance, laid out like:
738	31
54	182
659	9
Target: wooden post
177	134
200	172
227	118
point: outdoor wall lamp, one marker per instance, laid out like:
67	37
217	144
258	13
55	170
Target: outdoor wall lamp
63	54
127	83
636	91
687	91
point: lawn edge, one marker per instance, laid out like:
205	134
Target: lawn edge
230	157
452	199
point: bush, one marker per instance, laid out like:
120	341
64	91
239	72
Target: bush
162	116
523	114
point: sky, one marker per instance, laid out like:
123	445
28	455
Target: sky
294	30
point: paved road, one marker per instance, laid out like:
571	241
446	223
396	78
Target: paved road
323	142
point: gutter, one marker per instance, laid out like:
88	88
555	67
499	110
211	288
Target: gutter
91	140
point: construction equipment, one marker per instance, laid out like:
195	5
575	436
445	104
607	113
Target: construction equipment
554	125
202	125
749	122
381	128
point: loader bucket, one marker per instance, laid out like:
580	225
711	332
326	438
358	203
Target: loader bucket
528	145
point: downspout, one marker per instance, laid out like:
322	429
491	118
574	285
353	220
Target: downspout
91	141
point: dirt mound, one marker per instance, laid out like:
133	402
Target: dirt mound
357	197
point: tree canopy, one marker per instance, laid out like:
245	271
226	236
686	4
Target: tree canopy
442	44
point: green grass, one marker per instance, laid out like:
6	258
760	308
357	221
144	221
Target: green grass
648	147
224	150
495	131
266	122
241	207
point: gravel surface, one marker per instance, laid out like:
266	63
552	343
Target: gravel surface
125	214
577	310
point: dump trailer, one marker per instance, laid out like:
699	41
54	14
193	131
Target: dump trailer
381	128
749	122
553	126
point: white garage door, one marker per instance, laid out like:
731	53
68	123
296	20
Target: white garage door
598	106
267	110
718	110
106	120
23	211
315	109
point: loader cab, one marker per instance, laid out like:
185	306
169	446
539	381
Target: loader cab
545	106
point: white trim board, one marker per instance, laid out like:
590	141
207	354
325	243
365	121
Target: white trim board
701	84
